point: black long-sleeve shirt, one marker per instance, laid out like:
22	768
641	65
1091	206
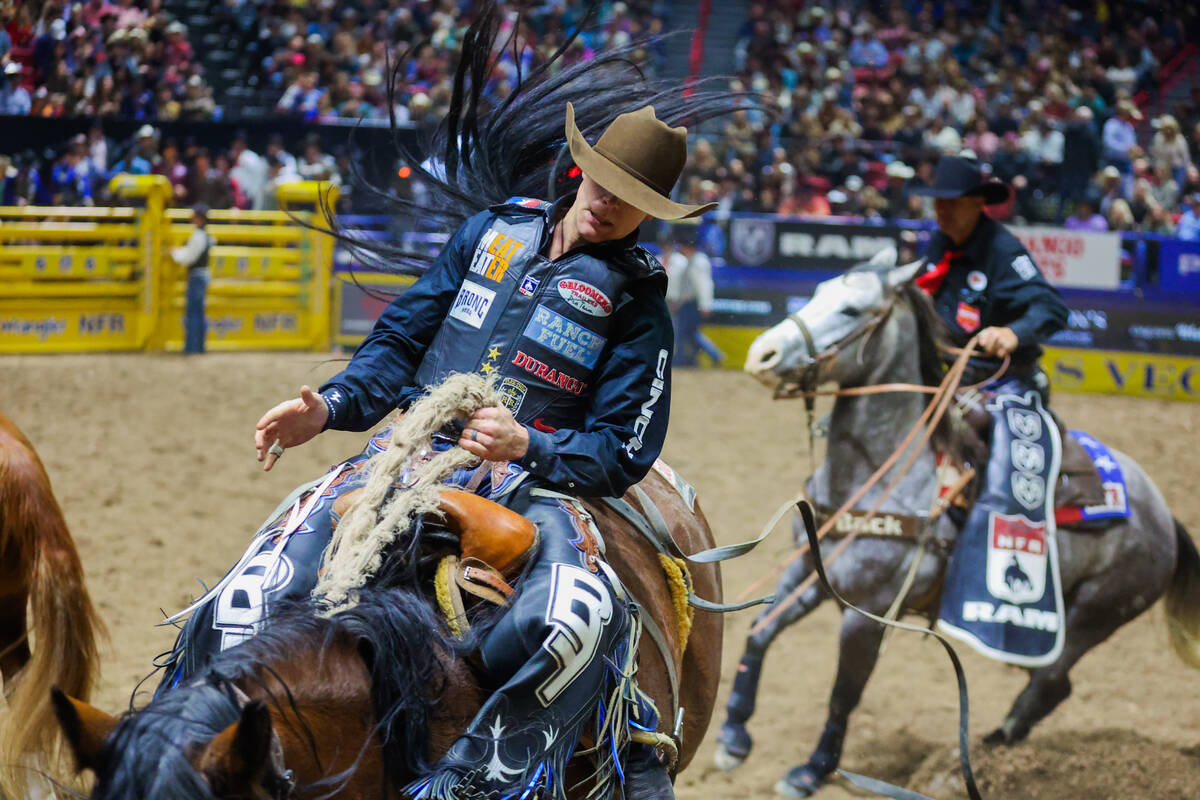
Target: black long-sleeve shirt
994	282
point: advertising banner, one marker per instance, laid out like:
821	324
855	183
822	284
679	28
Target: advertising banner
1122	322
359	299
1179	266
1074	258
759	240
1136	374
79	327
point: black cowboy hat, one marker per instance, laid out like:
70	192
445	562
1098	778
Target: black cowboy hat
958	176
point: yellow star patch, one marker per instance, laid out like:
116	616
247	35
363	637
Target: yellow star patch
493	354
487	369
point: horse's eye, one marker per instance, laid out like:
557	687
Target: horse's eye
851	311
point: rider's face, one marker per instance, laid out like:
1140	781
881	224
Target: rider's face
600	216
957	216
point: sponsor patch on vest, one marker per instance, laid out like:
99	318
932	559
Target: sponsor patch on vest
560	335
512	394
546	373
493	254
472	304
967	317
585	297
529	286
976	280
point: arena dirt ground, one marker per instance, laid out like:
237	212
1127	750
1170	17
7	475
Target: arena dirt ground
152	459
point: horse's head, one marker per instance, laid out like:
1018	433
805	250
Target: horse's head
818	342
219	746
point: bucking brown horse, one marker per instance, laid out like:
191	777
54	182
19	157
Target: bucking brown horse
359	704
48	627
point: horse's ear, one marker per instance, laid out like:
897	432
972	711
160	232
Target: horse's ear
237	756
904	273
887	257
85	728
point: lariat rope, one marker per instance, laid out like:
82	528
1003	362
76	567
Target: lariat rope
381	516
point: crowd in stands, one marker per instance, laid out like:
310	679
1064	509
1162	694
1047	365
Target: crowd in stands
98	59
861	98
1044	93
328	60
235	178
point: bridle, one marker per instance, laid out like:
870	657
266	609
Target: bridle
802	382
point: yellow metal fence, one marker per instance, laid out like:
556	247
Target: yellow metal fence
80	279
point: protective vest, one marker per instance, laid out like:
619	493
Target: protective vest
540	326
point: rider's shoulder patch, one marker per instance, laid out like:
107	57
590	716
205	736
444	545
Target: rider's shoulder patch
526	202
1023	266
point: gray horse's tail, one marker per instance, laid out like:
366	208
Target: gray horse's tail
1183	600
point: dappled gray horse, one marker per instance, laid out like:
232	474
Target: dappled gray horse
873	326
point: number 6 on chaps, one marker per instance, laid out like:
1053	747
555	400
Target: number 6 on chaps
366	690
1049	517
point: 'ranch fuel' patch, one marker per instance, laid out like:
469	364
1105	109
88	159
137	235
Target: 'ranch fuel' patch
560	335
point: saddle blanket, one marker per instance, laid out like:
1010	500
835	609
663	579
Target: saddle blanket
1116	500
1002	594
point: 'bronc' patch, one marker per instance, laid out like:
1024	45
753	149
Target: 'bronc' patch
472	304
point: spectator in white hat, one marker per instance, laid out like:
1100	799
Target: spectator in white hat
1169	147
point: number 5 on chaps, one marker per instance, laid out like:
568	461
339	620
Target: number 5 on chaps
579	607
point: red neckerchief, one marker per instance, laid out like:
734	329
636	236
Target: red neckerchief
931	280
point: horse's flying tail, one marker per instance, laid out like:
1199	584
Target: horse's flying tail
64	626
1182	600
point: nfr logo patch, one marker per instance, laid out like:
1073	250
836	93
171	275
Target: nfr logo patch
1016	558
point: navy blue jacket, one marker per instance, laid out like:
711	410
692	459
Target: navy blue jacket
994	282
593	432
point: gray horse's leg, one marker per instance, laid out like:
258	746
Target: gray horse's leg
733	741
857	654
1094	612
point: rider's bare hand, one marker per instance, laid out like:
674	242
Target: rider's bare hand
998	342
492	433
291	423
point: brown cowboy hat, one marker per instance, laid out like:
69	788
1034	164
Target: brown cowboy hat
638	158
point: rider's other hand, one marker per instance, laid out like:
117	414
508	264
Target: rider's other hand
291	423
492	433
998	342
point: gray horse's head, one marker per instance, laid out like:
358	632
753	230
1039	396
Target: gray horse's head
841	310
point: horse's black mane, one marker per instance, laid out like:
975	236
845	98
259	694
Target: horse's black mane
489	149
933	337
399	638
